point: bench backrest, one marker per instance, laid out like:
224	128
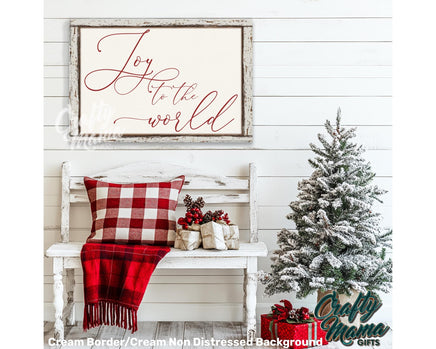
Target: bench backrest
224	190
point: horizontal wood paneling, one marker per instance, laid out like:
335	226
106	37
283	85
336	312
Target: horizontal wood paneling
171	312
270	163
322	87
180	293
271	30
265	137
322	53
315	110
323	29
280	110
213	9
283	53
55	111
314	71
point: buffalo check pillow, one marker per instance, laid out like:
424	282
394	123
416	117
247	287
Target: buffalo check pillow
134	213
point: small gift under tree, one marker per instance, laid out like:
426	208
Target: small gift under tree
297	326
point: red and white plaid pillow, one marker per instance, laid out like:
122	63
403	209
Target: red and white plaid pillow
134	213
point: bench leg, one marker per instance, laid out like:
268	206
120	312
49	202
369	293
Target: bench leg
58	302
71	315
244	302
250	301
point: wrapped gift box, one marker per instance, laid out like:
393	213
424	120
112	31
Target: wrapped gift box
187	239
231	236
212	235
300	333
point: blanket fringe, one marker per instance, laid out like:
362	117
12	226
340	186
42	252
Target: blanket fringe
110	313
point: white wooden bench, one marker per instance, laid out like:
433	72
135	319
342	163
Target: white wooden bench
66	254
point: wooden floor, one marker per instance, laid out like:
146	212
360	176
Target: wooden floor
179	330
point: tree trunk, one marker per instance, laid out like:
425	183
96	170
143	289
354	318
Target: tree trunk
343	298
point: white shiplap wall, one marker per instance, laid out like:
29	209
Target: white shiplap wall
310	57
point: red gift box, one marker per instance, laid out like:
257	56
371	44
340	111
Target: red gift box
298	334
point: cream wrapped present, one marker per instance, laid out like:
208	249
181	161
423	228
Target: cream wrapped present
231	236
213	236
187	239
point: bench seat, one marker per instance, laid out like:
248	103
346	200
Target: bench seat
246	249
69	253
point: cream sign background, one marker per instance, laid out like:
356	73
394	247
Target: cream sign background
151	78
162	81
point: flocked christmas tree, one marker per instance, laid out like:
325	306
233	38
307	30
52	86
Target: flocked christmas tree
338	243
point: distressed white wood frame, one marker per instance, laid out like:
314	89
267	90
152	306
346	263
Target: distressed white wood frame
66	254
247	79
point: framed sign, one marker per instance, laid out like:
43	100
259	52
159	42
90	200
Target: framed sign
161	80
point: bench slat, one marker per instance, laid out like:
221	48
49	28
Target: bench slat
257	249
191	183
210	198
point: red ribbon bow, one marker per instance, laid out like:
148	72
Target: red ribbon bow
280	312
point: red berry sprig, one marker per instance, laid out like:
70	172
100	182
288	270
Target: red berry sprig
192	216
222	217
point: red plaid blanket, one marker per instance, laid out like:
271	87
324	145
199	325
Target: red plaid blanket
115	278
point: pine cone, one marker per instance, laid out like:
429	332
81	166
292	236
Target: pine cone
218	213
207	217
188	202
199	203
